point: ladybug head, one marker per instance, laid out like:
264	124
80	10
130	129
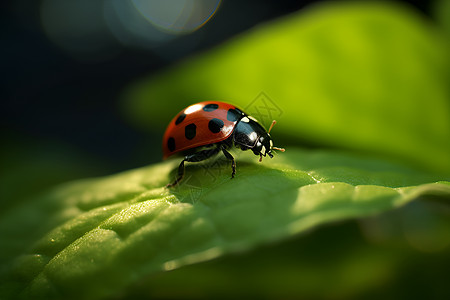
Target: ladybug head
249	134
264	145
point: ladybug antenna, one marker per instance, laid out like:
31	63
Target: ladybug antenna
279	149
274	148
271	125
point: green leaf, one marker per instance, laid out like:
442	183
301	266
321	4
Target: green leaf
368	76
93	238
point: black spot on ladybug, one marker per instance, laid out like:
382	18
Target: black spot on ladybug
180	118
210	107
171	144
190	131
215	125
234	114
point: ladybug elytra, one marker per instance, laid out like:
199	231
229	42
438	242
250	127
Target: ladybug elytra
204	129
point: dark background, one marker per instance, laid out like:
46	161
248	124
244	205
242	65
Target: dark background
61	112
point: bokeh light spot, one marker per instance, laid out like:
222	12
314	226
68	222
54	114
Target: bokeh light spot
177	16
130	28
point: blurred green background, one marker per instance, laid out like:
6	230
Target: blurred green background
89	87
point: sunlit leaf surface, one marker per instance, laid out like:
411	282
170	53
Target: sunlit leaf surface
105	234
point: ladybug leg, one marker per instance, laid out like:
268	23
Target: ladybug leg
233	162
180	175
196	157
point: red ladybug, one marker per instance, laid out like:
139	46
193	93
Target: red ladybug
202	130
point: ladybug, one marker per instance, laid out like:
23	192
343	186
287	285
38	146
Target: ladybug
204	129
